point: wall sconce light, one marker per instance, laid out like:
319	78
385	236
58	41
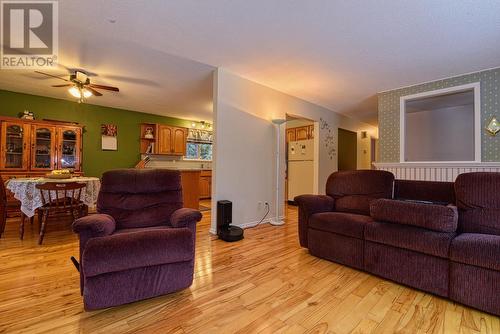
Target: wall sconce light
193	125
493	126
364	134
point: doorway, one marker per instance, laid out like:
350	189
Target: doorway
301	155
347	150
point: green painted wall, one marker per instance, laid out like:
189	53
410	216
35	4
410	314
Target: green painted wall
95	160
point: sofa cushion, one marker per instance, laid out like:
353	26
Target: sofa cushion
429	216
348	224
482	250
136	249
410	237
478	203
140	198
354	190
432	191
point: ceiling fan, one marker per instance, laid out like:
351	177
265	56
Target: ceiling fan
80	86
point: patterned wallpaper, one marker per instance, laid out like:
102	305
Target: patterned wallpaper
388	112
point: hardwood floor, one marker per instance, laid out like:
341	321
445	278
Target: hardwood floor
265	283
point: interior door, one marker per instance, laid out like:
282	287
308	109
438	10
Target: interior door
164	139
348	150
179	141
15	149
43	143
68	149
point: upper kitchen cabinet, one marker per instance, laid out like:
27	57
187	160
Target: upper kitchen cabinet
311	131
290	135
171	140
300	133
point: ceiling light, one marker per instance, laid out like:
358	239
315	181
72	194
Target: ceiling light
75	92
86	93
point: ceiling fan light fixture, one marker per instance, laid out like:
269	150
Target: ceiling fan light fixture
86	93
75	92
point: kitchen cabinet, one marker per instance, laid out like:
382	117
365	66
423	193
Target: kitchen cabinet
205	184
311	131
302	133
171	140
190	180
290	135
179	141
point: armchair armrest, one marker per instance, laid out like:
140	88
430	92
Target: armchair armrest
125	251
97	225
185	216
309	205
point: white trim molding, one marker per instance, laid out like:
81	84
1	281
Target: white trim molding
435	171
475	86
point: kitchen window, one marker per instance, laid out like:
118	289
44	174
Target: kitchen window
199	151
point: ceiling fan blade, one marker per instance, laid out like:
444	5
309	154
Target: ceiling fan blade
50	75
114	89
63	85
93	91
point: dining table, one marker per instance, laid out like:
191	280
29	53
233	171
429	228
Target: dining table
24	189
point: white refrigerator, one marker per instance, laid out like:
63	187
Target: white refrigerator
300	168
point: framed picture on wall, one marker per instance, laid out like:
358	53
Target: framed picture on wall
109	140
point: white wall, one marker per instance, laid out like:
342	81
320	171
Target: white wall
245	144
445	134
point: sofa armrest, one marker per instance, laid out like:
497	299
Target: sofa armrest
185	216
97	225
440	218
138	249
309	205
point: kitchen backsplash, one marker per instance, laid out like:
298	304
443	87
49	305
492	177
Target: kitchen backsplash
167	162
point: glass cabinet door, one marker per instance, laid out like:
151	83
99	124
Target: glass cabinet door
42	147
14	146
69	148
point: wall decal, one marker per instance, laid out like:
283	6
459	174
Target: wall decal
329	140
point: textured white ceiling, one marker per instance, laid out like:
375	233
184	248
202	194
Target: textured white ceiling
338	54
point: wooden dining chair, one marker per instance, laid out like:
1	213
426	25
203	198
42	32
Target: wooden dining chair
6	205
60	197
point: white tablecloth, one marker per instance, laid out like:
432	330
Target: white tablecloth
24	190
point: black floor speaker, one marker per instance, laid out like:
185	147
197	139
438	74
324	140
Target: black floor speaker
225	231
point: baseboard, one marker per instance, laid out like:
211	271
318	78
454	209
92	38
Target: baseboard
250	224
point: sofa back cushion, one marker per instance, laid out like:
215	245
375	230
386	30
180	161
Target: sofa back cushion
437	192
478	202
140	197
440	218
354	190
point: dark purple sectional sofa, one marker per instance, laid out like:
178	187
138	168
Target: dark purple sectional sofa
449	247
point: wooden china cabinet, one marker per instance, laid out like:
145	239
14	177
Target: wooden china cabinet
30	148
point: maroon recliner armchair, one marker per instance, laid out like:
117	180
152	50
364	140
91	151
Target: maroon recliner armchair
141	244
